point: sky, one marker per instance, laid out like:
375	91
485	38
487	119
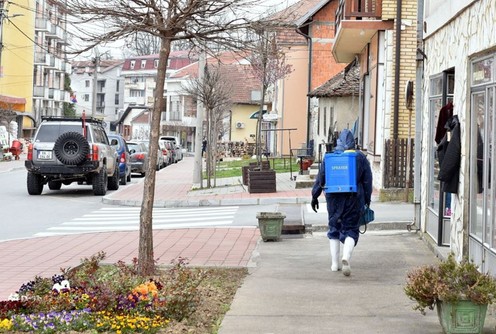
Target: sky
115	49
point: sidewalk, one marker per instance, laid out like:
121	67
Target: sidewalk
290	288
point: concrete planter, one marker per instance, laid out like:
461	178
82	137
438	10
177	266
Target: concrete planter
463	317
270	225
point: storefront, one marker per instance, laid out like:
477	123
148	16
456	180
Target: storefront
482	221
459	79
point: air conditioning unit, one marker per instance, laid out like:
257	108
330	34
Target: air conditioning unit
240	125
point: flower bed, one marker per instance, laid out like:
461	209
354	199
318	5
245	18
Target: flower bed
113	298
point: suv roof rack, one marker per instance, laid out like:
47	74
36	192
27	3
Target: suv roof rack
70	119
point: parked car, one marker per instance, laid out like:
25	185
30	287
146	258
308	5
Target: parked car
160	156
67	150
139	157
120	145
172	149
177	146
166	148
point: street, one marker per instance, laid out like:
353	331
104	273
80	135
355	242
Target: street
74	209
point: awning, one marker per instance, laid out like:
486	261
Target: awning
255	114
12	99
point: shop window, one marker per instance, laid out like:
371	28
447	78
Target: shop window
483	151
441	91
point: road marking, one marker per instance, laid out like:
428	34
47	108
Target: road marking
127	219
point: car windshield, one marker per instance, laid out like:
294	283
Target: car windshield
50	132
134	146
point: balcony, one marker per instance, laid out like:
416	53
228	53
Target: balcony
41	58
40	92
42	24
134	85
356	22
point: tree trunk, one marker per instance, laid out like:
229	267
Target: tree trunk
258	141
146	263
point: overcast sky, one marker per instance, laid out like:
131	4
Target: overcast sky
115	49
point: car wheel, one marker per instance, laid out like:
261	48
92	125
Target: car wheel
71	148
54	185
100	182
123	180
35	184
113	181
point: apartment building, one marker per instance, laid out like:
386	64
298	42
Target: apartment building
139	75
16	67
50	63
107	87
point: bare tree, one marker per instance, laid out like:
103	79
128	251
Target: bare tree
214	91
143	44
202	22
268	63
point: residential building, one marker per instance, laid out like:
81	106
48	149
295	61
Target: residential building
337	107
380	35
50	62
240	122
16	67
307	46
139	76
109	91
457	77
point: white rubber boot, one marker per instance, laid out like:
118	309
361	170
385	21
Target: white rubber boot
334	247
349	244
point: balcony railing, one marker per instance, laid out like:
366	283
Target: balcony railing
358	10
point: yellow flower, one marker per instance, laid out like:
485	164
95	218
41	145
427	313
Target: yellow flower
6	324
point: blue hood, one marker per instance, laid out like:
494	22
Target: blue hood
346	141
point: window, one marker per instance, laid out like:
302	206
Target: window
155	63
86	97
116	101
86	83
483	151
318	120
440	93
117	84
143	64
325	120
136	93
133	62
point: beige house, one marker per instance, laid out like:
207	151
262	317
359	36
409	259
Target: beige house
239	121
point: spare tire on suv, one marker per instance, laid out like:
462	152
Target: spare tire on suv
71	148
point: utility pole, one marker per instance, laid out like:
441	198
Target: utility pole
96	63
197	170
2	16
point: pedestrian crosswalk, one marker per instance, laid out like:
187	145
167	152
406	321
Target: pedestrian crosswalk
127	219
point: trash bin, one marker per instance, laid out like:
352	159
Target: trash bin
270	225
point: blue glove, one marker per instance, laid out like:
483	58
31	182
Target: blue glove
315	204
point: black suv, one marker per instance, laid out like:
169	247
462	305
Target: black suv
66	150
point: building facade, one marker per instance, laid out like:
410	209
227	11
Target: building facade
459	79
50	63
108	91
16	68
381	37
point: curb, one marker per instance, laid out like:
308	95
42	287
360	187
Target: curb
209	202
375	226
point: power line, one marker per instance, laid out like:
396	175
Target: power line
29	38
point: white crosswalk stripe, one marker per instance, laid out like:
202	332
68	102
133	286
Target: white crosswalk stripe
127	219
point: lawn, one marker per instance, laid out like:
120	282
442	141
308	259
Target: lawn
232	168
